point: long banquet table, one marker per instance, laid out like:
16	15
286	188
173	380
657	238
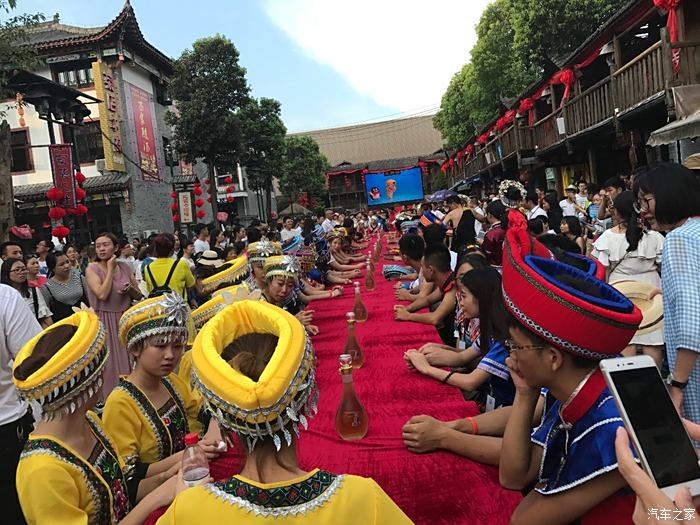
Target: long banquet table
435	488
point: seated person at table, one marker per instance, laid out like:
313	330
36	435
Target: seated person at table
436	270
412	247
340	258
69	471
152	410
563	323
258	252
253	362
281	276
478	294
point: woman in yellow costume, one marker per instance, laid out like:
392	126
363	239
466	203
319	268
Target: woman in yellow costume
258	252
254	364
69	472
152	410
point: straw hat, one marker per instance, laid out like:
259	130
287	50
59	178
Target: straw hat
209	258
652	309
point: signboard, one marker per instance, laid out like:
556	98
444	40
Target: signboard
186	212
61	159
141	104
107	88
394	186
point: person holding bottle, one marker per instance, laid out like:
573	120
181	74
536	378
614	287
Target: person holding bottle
255	365
70	471
152	409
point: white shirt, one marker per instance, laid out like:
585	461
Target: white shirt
17	327
568	208
327	225
478	227
536	212
286	234
200	246
453	260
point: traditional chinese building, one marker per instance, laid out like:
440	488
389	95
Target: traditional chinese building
123	146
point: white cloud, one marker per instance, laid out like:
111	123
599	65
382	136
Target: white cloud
402	54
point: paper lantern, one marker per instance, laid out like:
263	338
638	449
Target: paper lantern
206	181
176	218
80	193
229	198
80	209
197	190
199	203
229	189
79	177
201	214
228	180
173	206
54	194
173	194
209	191
60	232
209	200
56	213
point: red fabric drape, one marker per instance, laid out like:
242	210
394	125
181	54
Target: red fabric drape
672	25
435	488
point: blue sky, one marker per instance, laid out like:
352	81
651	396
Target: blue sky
329	62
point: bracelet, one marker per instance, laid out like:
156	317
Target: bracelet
475	428
447	377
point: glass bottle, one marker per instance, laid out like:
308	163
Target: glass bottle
352	347
377	253
359	309
351	419
369	277
195	467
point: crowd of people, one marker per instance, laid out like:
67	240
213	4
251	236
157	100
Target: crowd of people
114	352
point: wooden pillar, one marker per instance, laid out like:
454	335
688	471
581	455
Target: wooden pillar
592	166
7	200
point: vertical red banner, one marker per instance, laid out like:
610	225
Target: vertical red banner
61	157
141	103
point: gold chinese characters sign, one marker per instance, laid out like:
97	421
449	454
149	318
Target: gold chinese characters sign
107	88
141	105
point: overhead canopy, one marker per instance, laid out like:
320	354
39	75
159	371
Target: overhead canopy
687	100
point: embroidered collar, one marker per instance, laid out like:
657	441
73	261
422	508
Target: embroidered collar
582	398
301	496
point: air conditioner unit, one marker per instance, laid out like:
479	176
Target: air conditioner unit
100	165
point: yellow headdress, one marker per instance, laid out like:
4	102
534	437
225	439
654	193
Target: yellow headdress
232	272
284	265
284	395
73	374
166	316
220	300
261	250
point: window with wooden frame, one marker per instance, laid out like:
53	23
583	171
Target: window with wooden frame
21	153
88	142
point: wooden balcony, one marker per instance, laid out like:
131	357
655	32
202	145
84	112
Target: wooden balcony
546	133
590	109
644	78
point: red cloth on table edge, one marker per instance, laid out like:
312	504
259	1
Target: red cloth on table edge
435	488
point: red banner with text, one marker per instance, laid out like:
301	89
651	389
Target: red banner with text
61	157
141	104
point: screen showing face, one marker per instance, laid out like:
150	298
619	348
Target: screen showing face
659	430
394	186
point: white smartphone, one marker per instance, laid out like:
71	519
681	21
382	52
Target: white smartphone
655	428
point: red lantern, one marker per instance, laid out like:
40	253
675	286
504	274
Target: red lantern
197	190
173	195
229	189
209	191
56	213
61	232
460	154
206	181
54	194
80	209
229	198
173	206
199	203
201	214
209	200
421	164
80	193
228	180
176	218
79	177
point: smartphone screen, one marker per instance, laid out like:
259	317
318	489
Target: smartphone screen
659	430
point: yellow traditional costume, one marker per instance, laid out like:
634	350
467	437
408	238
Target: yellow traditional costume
54	482
258	252
144	433
229	274
285	266
270	410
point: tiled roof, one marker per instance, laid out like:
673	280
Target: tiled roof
98	184
386	164
390	139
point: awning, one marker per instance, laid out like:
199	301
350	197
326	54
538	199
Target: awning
687	100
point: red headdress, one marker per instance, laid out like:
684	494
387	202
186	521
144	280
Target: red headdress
538	292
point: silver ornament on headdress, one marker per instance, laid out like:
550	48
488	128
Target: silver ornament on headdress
503	188
175	308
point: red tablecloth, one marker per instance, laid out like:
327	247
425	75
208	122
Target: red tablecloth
436	488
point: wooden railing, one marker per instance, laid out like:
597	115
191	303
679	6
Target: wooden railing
642	78
589	109
509	141
545	131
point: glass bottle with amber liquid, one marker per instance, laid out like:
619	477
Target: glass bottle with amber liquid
359	309
351	419
369	277
352	347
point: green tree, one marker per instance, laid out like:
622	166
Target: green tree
304	169
210	90
515	39
14	53
263	152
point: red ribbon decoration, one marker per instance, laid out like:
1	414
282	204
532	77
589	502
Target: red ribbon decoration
672	25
